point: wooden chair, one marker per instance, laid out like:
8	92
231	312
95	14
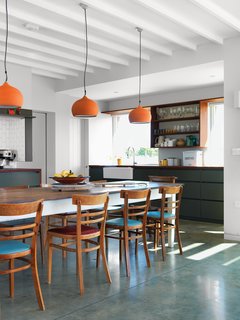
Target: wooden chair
63	220
29	220
167	216
90	228
133	223
166	179
11	248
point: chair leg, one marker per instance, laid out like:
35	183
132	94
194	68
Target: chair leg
46	230
50	252
80	267
163	242
98	256
41	242
126	251
120	245
144	235
156	231
64	224
37	283
179	238
106	243
136	244
11	278
104	259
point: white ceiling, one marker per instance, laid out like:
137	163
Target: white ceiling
185	78
55	48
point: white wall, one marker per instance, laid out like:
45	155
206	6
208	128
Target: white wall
169	97
232	140
21	78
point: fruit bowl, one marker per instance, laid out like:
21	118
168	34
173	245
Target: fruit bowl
69	180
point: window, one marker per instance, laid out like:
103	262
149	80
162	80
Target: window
214	155
127	135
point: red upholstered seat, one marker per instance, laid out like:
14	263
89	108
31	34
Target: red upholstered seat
71	230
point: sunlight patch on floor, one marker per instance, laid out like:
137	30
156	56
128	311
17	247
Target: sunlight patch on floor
214	232
187	248
210	252
231	261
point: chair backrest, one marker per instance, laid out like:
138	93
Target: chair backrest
171	205
96	215
25	210
167	179
138	210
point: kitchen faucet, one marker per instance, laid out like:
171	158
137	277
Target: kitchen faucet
133	154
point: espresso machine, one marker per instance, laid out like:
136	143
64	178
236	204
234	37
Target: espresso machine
6	156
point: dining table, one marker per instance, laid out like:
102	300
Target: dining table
57	198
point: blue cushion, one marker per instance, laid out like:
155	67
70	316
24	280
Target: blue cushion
13	246
157	215
120	222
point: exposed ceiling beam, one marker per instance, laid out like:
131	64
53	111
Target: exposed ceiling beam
135	20
180	19
38	65
97	24
53	61
56	53
47	74
79	34
219	13
63	44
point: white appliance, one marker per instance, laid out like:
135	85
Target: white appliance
193	158
118	173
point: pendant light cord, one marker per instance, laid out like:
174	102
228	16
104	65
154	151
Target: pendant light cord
140	65
86	50
6	42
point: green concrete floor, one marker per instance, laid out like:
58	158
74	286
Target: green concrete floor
204	283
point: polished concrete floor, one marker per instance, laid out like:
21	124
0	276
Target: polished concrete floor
204	283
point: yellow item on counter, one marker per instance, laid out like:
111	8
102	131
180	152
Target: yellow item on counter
119	161
165	162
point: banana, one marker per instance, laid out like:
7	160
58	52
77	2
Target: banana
57	175
65	174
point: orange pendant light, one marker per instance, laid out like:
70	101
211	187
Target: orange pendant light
85	107
9	96
140	115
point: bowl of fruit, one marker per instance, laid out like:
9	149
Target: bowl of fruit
68	177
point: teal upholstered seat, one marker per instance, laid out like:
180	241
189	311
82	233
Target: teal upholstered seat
157	215
13	246
120	222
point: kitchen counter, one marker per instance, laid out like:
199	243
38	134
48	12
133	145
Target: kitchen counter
12	177
18	170
157	166
203	187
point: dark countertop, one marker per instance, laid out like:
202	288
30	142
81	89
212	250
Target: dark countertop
157	166
18	170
